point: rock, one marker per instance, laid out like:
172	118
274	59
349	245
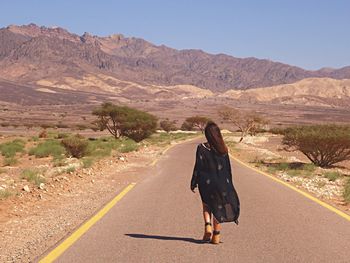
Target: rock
92	181
42	186
122	158
26	188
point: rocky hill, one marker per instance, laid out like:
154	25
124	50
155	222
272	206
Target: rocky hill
30	54
308	92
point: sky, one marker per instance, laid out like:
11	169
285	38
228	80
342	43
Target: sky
307	33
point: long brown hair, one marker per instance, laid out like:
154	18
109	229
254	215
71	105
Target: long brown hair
214	137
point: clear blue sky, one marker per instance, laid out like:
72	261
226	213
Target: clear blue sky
306	33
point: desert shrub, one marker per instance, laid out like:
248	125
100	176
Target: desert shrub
75	146
125	121
9	149
43	134
168	125
62	135
323	145
277	130
195	122
47	148
332	176
33	176
346	193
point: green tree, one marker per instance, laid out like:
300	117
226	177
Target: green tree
246	122
324	145
125	121
195	122
168	125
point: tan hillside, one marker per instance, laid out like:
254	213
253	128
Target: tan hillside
311	91
129	90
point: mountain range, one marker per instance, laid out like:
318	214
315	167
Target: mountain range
35	55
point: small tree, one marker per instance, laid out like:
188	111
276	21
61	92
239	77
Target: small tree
168	125
194	122
247	123
125	121
323	145
108	117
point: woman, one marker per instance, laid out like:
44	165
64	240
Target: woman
212	174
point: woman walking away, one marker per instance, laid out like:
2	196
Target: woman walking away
212	174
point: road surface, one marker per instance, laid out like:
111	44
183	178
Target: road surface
160	220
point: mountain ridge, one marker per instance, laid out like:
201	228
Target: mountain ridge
30	53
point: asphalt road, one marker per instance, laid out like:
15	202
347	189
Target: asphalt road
160	220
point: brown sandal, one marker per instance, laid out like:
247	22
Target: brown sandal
215	238
207	232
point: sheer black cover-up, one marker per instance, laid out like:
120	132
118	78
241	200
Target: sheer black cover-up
212	173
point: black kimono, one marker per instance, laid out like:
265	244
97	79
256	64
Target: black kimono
212	174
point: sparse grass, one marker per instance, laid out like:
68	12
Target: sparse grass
103	147
346	193
128	146
4	193
47	148
33	176
332	176
2	171
11	161
88	162
9	149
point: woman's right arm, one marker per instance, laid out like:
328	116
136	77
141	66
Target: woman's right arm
195	174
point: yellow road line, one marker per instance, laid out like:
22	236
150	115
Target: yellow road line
329	207
55	253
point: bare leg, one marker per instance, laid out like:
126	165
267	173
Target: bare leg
217	226
206	214
207	221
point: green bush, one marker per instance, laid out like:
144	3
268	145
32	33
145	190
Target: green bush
323	145
48	148
9	149
75	146
33	176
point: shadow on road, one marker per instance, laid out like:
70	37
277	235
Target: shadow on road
185	239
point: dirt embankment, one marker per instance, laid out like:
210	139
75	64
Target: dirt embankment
33	221
267	153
